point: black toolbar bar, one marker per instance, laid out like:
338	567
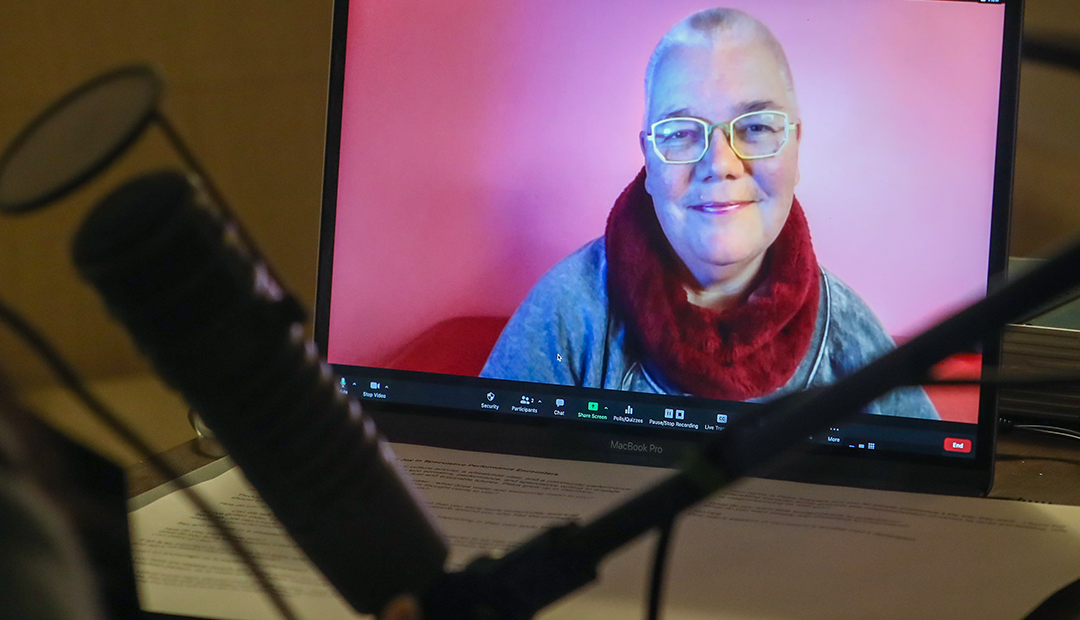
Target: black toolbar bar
537	404
627	412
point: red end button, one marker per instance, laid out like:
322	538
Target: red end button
953	444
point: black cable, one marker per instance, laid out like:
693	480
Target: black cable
1055	49
71	380
1049	430
656	581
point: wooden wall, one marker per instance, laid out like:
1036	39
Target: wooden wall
1046	197
245	85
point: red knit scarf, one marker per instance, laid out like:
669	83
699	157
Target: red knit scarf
743	352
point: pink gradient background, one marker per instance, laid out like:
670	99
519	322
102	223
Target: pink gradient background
468	162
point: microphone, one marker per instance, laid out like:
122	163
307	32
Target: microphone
219	329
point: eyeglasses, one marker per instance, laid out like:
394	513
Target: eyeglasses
755	135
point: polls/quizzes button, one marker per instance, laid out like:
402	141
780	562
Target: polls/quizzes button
953	444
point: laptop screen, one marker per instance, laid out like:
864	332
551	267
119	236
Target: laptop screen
646	217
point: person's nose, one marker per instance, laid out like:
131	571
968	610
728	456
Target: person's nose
720	161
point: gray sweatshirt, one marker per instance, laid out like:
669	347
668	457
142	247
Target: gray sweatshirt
567	333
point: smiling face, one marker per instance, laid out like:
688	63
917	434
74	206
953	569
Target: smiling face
721	214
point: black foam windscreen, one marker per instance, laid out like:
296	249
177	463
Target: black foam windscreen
222	332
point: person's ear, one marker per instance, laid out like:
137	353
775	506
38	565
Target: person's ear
641	143
798	139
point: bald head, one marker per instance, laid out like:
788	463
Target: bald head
712	28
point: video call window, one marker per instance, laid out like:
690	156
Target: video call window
730	203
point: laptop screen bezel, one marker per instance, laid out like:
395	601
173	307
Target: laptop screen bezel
466	430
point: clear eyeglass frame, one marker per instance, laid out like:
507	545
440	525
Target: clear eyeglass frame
726	128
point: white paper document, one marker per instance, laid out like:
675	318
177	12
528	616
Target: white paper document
764	549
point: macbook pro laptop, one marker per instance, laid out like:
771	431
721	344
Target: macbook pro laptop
544	234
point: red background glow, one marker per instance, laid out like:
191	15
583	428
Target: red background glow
484	140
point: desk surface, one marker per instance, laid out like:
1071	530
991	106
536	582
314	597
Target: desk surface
1029	466
1037	467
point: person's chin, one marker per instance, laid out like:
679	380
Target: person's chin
734	240
724	257
728	248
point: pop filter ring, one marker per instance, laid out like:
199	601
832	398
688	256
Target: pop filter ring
102	162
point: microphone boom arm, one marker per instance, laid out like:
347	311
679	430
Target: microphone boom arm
565	558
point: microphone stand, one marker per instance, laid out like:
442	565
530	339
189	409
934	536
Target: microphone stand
565	558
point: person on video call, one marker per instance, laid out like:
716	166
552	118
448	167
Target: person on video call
705	281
